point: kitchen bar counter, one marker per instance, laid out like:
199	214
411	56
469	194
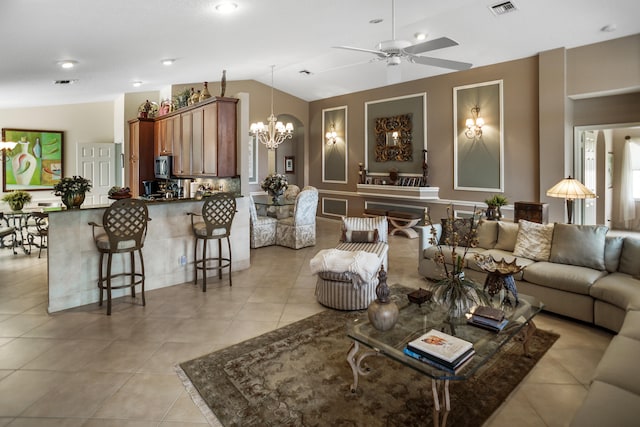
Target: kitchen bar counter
73	257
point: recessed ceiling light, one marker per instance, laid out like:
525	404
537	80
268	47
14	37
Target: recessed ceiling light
420	36
65	82
226	7
137	83
67	63
167	62
376	21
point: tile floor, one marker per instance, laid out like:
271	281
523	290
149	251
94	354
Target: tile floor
83	368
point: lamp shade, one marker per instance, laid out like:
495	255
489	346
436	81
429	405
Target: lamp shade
570	188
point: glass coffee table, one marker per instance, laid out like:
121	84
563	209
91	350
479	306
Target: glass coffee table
415	320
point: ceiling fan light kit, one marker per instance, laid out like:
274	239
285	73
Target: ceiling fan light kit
393	51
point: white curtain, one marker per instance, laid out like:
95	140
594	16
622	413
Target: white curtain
627	203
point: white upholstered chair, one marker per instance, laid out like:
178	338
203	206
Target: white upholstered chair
291	192
299	230
262	228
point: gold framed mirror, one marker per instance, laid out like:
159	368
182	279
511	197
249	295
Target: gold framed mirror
393	138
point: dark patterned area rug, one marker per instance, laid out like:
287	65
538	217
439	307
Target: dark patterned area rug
298	376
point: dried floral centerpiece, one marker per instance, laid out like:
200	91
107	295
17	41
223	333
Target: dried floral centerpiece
72	190
454	289
275	184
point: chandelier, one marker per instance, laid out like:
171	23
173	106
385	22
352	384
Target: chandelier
474	124
275	132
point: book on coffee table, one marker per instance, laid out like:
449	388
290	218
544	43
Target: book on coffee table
489	318
444	347
436	363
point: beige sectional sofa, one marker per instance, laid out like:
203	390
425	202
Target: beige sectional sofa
587	275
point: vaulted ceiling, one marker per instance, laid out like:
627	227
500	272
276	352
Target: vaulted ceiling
118	42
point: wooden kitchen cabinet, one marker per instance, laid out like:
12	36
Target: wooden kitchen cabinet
209	140
141	154
167	134
202	140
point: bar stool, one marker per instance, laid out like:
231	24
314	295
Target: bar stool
125	228
218	211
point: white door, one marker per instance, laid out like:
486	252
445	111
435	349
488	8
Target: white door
96	161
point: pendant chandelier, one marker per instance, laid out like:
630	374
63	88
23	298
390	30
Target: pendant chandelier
275	132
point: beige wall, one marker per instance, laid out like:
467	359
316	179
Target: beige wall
80	123
520	131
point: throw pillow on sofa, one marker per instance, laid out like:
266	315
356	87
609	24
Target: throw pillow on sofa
487	233
460	226
630	256
581	245
533	240
507	236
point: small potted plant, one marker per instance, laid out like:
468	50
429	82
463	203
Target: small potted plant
17	199
72	190
493	206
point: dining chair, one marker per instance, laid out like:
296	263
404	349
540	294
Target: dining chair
38	229
6	232
299	230
262	230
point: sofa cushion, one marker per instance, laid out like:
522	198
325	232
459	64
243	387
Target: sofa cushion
363	224
608	405
460	227
533	240
618	289
507	235
487	233
630	256
432	252
580	245
612	252
631	326
618	367
569	278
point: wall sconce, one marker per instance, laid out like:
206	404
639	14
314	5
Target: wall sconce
474	124
332	136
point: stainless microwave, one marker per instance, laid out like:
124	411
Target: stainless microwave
163	167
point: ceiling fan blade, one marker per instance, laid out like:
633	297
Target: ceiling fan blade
435	44
358	49
437	62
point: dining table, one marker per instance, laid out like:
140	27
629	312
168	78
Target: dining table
20	221
281	208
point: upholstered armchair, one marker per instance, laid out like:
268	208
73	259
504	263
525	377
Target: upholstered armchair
262	228
299	230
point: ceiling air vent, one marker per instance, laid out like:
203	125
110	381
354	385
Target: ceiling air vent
64	82
503	8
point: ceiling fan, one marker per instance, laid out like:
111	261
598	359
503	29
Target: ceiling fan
394	50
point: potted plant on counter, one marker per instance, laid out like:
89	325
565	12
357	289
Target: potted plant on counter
17	199
72	190
493	206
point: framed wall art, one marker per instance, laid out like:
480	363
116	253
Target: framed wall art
478	155
36	161
289	164
396	134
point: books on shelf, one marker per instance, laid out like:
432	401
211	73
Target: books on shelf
489	318
441	347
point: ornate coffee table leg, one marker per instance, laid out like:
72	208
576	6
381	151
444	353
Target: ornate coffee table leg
356	363
440	391
525	335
